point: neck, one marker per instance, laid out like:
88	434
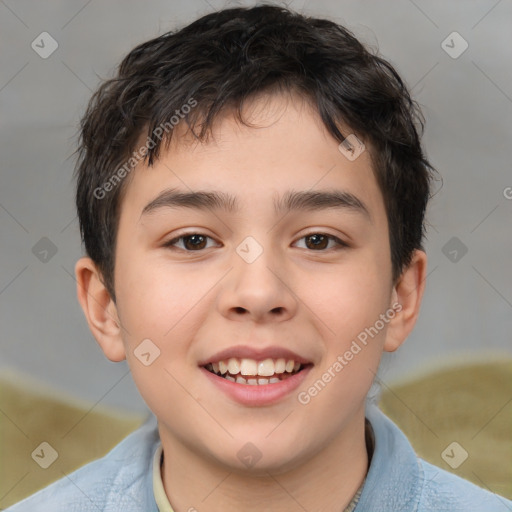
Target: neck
327	481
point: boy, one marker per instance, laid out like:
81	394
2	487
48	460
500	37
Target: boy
251	194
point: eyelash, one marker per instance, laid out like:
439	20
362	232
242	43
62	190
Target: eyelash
340	244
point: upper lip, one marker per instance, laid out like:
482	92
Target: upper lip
248	352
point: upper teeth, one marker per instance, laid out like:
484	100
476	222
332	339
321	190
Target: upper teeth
264	368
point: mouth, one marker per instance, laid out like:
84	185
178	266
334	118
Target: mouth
252	372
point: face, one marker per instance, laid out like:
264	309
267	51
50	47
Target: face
257	271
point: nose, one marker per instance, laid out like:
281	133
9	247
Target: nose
258	291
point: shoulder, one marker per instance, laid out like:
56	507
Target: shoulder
444	491
398	480
120	480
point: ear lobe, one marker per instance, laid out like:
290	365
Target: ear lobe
99	309
408	294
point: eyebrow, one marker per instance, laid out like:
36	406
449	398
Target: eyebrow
291	201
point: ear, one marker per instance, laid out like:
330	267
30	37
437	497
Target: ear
406	296
99	309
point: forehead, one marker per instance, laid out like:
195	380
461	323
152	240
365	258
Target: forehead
285	149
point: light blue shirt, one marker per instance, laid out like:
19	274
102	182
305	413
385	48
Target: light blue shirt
397	480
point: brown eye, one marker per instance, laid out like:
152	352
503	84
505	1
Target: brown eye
321	241
189	243
317	241
193	242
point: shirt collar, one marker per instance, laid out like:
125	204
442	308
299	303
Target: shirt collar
394	478
162	502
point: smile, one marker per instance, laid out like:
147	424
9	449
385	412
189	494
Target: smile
255	373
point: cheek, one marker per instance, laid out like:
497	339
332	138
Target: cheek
167	306
153	298
156	304
352	329
346	300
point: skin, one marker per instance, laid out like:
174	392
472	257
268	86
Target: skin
309	300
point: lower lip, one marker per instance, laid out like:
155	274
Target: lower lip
257	395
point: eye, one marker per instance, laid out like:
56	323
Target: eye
191	242
320	242
195	242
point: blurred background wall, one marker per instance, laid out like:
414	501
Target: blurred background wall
455	56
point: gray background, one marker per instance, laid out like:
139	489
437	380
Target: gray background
467	102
